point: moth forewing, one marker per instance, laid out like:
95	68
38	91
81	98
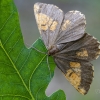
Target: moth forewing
49	18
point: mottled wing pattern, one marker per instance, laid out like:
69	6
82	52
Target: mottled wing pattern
78	73
86	48
49	18
74	61
72	28
76	48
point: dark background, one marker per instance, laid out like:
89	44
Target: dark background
91	9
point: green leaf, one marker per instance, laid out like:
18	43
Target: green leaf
24	73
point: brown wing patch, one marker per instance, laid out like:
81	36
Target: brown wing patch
75	64
44	22
97	54
99	47
65	25
75	80
82	53
53	26
41	18
74	76
36	8
82	90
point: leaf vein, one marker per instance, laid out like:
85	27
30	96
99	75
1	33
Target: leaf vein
8	73
14	96
14	45
7	20
35	70
5	64
9	36
17	72
25	61
19	54
38	91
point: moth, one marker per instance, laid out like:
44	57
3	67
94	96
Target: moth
66	41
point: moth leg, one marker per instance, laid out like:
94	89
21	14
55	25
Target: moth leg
48	66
